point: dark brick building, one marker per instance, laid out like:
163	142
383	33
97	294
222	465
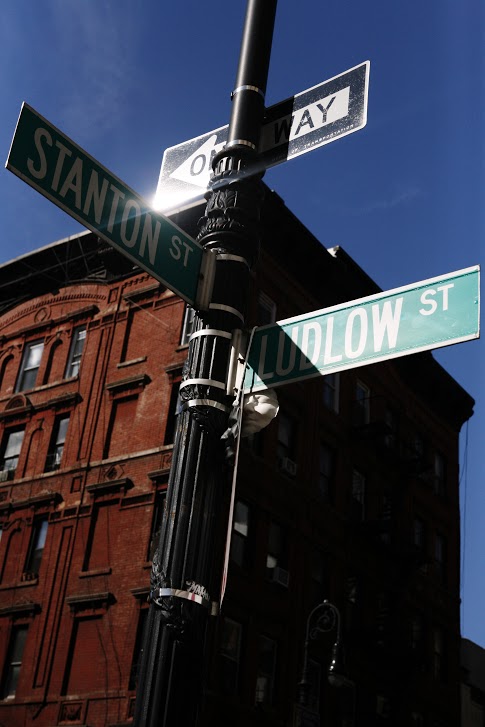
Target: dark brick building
351	494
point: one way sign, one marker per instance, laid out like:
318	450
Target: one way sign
310	119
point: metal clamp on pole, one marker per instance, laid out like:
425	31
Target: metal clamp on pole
206	281
235	361
158	593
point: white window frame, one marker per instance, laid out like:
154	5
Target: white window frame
28	365
56	449
11	454
79	333
13	666
38	539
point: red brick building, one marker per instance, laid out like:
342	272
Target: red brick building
351	494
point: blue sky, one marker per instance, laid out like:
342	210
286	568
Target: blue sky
403	197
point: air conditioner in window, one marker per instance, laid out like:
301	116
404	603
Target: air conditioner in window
6	475
281	576
288	466
28	576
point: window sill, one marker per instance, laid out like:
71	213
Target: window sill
20	584
133	361
95	572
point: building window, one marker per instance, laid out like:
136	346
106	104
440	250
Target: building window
382	618
286	445
418	446
385	517
158	510
439	479
331	391
36	546
76	351
255	443
392	429
138	650
174	409
187	326
419	535
326	473
99	543
351	589
119	438
417	639
314	678
56	447
416	455
13	662
240	534
438	655
277	557
420	542
11	452
358	496
266	312
440	557
230	655
266	671
86	647
29	367
352	602
362	405
383	707
318	577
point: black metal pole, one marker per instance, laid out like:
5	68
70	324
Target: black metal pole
187	566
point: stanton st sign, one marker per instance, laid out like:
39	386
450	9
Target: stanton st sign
417	317
59	169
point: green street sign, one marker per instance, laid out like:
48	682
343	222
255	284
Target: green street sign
418	317
60	170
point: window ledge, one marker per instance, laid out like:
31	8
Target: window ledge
80	601
19	584
95	572
133	361
131	383
23	608
42	499
141	293
141	593
110	486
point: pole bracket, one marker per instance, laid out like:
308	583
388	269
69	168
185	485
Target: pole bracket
206	279
248	87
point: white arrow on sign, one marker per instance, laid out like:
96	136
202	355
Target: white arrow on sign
197	168
310	119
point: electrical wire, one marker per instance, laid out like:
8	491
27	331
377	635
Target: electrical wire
238	402
464	479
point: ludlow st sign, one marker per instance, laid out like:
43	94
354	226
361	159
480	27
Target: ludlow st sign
304	122
59	169
418	317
